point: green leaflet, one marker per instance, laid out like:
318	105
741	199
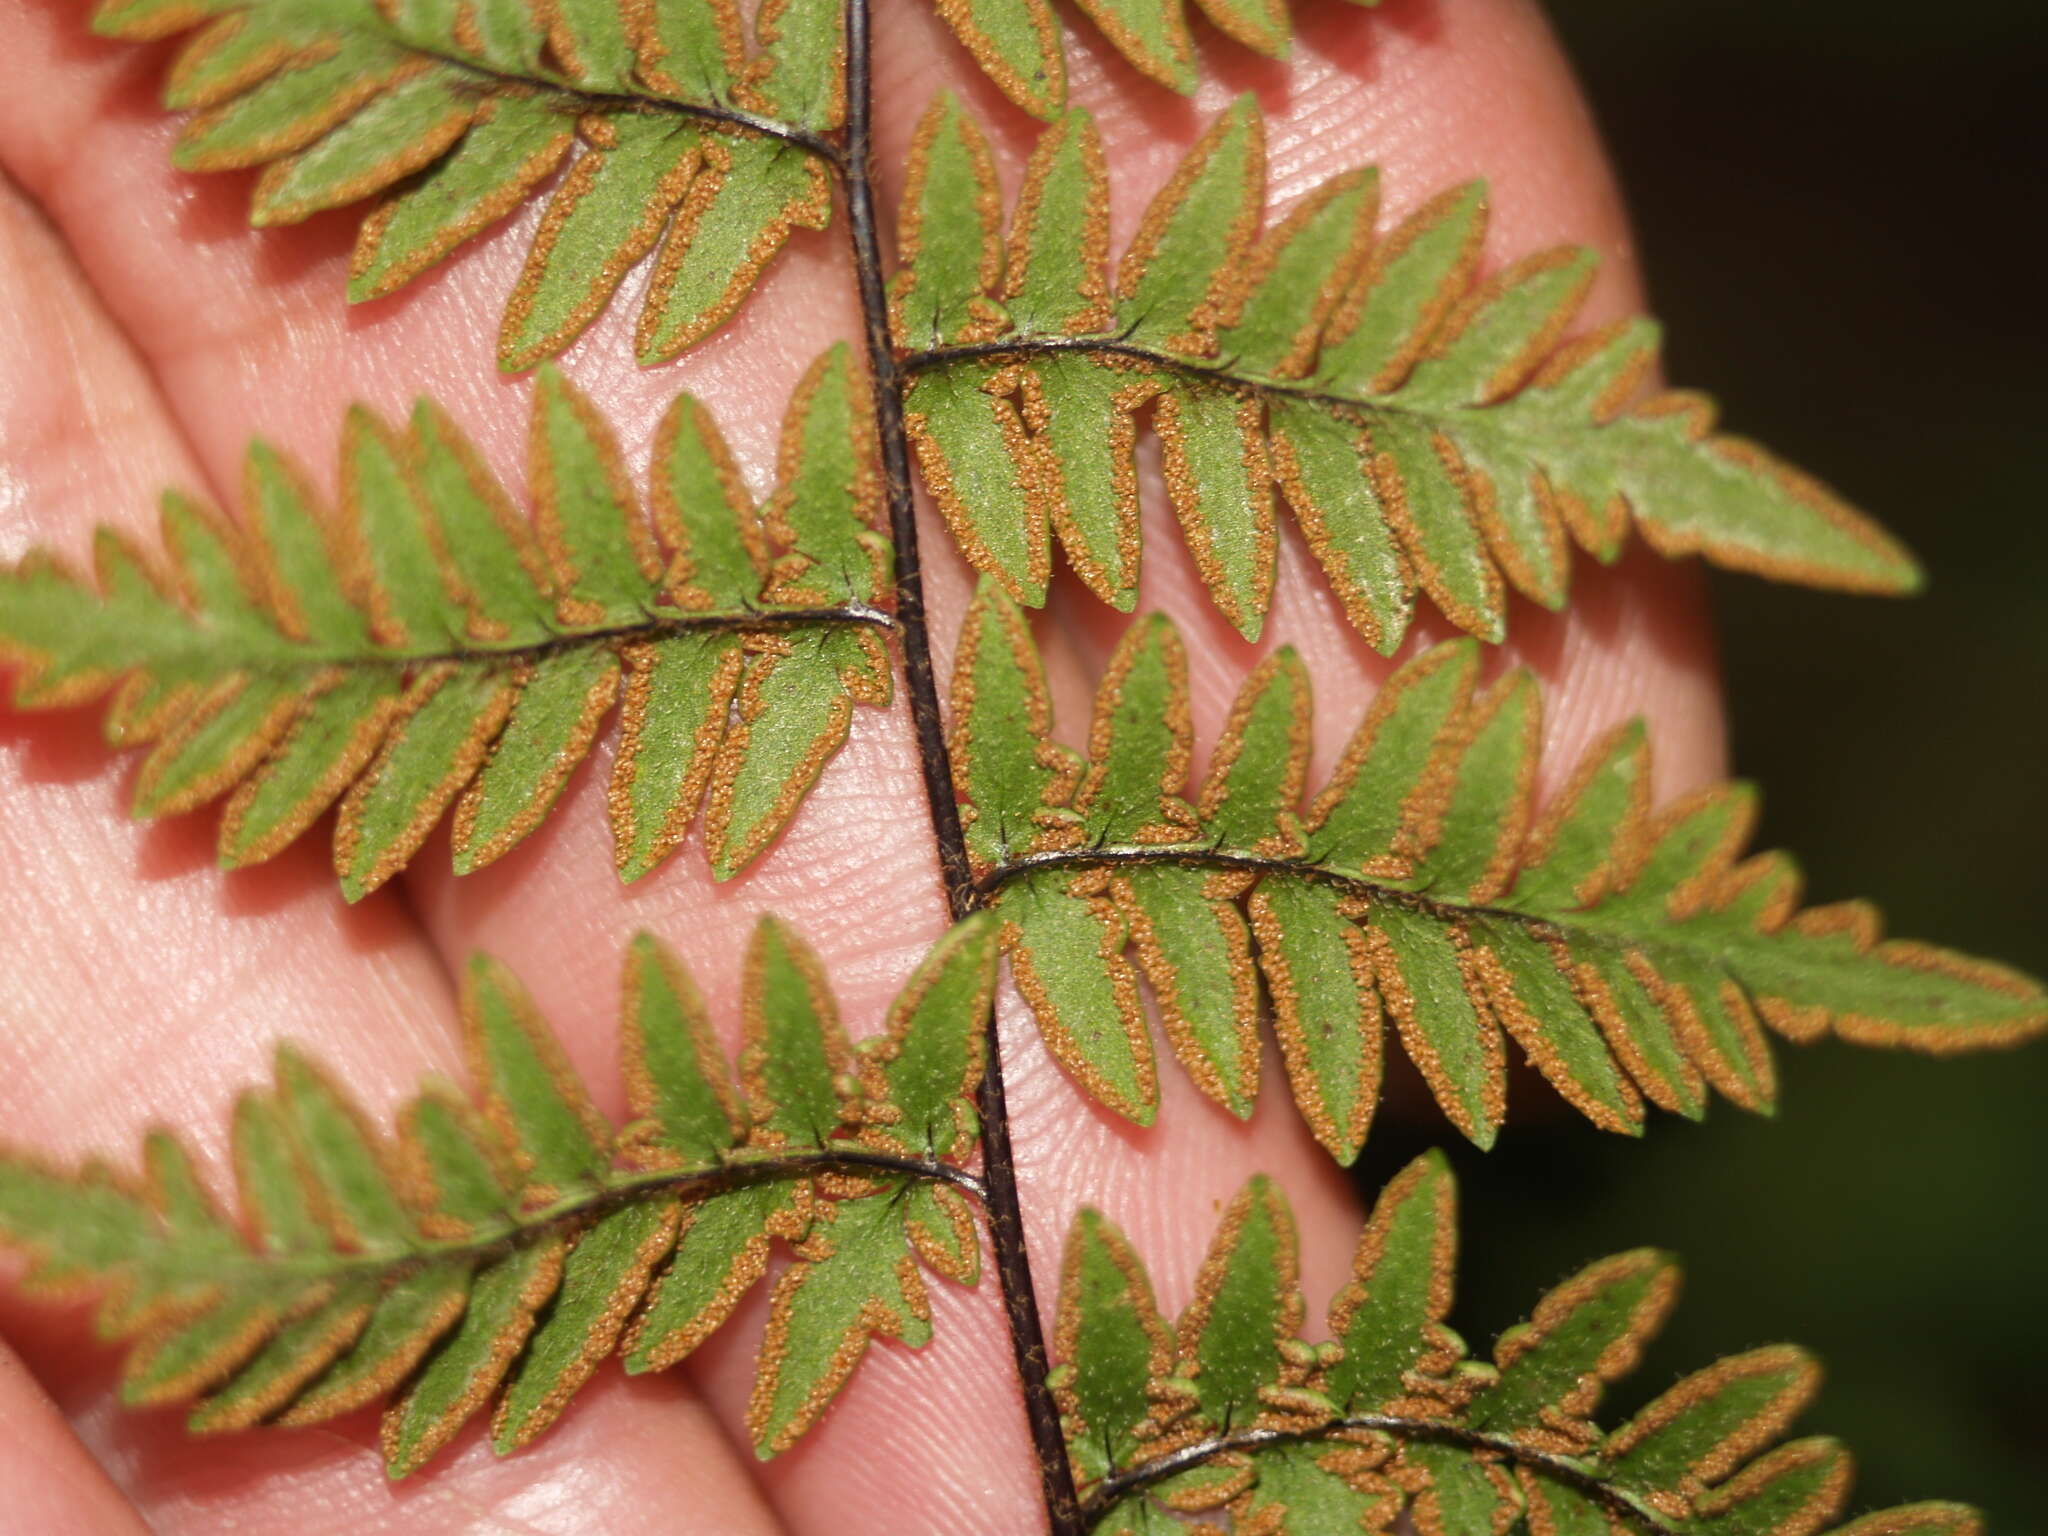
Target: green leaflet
1172	281
556	1138
1065	942
1017	42
451	116
1246	1309
1629	957
1054	270
1389	1316
410	1315
502	1253
408	127
1302	1489
1152	34
1194	948
1110	1342
1455	1493
1443	1021
1220	483
1582	1335
297	1354
678	697
927	1065
603	1279
1430	430
794	710
512	144
796	1055
801	74
424	651
463	1375
968	436
1005	770
721	1251
604	217
942	257
1259	767
1326	1008
749	193
828	505
1795	1490
675	1073
1712	1421
564	700
1138	742
1390	1422
854	1279
1017	45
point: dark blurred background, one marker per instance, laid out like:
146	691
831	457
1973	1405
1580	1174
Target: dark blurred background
1839	208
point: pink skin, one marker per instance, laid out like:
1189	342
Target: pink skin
150	334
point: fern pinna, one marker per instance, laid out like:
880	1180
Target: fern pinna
1627	953
424	650
1229	1408
359	1265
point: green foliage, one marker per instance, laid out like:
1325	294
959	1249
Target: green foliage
424	651
423	647
503	1252
1390	1417
1429	430
674	131
1630	953
1017	42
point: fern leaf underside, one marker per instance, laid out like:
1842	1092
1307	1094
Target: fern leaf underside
502	1252
426	650
1430	431
639	115
1228	1408
1017	42
1629	953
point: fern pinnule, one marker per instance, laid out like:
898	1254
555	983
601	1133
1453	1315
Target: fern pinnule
1017	42
1230	1410
423	651
1632	954
502	1253
1431	431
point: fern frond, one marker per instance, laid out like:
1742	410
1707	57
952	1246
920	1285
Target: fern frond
1017	42
1230	1409
1630	954
503	1251
424	648
668	127
1429	430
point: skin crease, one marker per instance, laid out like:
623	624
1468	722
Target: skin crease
146	334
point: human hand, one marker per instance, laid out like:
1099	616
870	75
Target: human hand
150	334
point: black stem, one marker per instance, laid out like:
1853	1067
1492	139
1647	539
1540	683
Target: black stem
999	1169
1118	1486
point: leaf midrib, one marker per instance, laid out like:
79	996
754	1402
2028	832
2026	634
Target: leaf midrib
251	1269
1466	417
212	651
1713	948
364	21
